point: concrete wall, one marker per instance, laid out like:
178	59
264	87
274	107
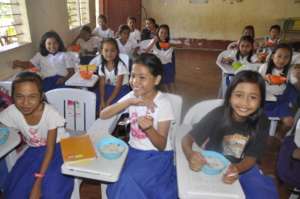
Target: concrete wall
218	19
43	15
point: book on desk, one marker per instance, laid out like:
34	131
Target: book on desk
77	148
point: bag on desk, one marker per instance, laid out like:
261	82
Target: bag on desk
77	148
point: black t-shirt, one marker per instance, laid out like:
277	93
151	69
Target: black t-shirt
234	141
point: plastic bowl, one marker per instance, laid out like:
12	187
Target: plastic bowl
86	74
208	168
111	148
236	65
3	135
276	79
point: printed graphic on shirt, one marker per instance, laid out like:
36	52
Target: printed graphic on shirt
234	145
135	130
34	139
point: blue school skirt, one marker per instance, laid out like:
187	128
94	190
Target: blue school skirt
257	186
281	108
146	175
21	179
49	83
108	91
168	73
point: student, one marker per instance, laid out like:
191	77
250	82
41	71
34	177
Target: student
126	45
55	65
279	96
102	30
161	47
37	172
244	54
149	32
113	72
89	45
149	170
274	36
238	130
247	31
135	34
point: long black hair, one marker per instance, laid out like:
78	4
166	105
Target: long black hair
246	38
245	77
116	60
54	35
271	64
165	26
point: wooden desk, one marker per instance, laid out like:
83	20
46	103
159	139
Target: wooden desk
12	141
197	185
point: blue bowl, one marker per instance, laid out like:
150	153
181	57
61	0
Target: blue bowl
111	148
3	135
220	160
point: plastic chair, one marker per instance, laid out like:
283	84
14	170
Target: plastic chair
109	125
79	109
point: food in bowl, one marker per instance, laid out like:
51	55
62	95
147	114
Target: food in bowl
86	74
216	162
111	148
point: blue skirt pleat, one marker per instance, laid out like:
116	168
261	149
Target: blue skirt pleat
49	83
21	178
288	168
281	108
146	175
108	91
168	73
257	186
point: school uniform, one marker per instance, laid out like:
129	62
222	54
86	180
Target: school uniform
167	59
99	32
147	172
127	48
90	46
135	35
21	179
278	97
111	78
52	67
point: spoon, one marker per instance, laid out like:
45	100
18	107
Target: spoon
124	122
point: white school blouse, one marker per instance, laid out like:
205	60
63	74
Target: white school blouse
111	78
35	135
89	45
53	64
162	112
165	56
128	48
135	35
98	31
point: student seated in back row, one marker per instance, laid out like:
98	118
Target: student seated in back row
89	45
238	129
54	64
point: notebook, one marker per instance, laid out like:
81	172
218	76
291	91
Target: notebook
77	148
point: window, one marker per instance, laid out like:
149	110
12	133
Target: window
78	13
13	22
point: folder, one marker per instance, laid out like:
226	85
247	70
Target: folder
77	148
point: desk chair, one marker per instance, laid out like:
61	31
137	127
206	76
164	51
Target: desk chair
79	109
109	125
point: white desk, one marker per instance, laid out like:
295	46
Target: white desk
100	168
197	185
12	141
76	80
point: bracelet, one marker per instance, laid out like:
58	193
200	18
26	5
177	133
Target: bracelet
39	175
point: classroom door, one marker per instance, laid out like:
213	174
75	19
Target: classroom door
117	11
